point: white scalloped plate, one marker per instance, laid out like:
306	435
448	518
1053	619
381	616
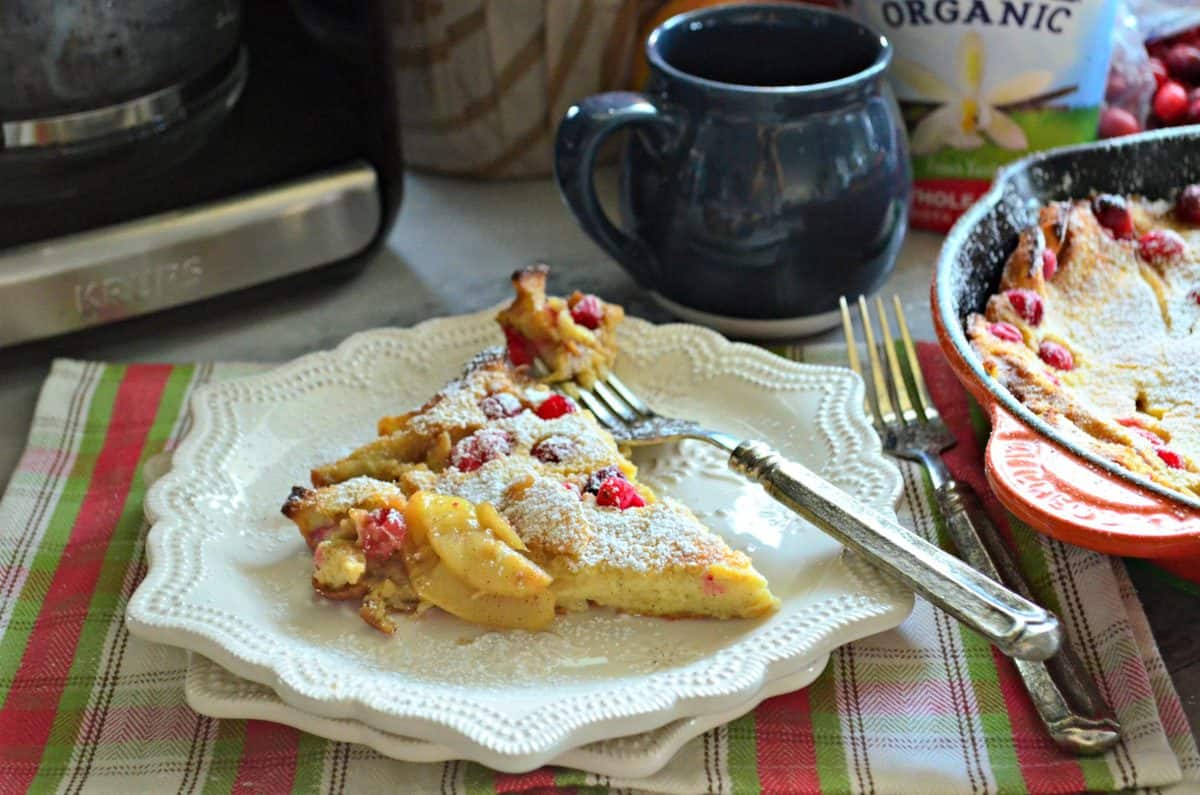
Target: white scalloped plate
229	577
217	693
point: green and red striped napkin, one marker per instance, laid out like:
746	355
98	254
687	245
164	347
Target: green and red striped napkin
928	707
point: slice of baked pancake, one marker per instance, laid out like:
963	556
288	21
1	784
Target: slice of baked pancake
513	504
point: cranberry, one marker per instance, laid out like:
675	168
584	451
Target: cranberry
520	349
1187	206
1193	111
1056	356
1161	246
555	406
619	493
1195	295
1028	305
1115	122
1159	69
500	405
1170	102
381	532
1183	62
1049	264
1006	331
553	449
588	312
1113	214
1169	457
597	478
475	450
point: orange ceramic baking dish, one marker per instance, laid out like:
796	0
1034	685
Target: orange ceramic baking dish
1052	484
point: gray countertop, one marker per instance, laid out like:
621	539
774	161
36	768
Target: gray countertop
451	251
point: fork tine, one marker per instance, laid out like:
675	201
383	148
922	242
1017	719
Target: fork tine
592	404
886	411
852	354
613	402
628	395
925	404
896	384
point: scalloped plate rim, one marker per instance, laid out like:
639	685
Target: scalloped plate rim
587	758
886	607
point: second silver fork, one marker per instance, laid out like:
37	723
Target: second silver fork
908	423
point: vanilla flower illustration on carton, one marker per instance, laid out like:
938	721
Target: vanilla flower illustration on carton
970	111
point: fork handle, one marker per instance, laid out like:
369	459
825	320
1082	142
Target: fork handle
1015	625
1064	694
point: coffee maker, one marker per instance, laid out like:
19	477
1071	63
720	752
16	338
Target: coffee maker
158	152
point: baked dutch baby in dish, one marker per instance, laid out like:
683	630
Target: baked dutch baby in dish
502	502
1096	327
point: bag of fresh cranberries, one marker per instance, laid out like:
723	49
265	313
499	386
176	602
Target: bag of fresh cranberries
1155	77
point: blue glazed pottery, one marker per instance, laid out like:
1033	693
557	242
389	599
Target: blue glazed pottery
767	172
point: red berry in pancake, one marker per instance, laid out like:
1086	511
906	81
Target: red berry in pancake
1056	356
554	407
600	476
381	532
500	405
1113	214
588	312
520	349
553	449
619	493
1049	264
486	444
1161	246
1027	304
1006	331
1169	457
1187	206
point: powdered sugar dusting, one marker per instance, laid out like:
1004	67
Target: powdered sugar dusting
592	443
662	535
488	483
549	516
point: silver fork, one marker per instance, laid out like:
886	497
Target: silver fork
1066	698
1013	623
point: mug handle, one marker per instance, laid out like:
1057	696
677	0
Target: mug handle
583	128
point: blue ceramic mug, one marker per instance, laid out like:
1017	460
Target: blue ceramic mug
767	173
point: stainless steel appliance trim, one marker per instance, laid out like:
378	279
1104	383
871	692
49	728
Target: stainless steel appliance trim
177	257
161	107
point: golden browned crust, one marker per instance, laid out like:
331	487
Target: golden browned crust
325	518
1128	326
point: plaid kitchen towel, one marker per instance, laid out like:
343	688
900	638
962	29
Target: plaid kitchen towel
928	707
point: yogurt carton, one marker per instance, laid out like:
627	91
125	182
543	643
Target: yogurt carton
984	82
